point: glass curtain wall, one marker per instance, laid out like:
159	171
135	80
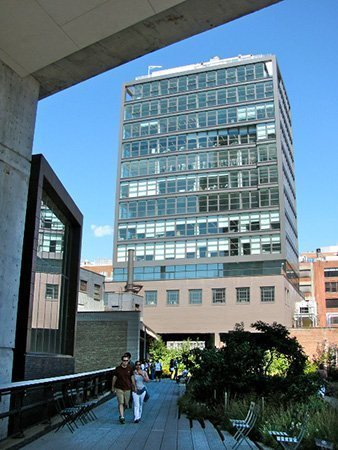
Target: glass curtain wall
50	302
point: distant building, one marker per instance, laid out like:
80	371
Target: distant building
91	291
319	285
206	197
102	266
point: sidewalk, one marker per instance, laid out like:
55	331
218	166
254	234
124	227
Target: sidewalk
159	429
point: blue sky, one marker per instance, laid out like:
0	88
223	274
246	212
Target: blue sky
77	129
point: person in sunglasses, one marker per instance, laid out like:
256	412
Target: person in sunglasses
140	377
123	382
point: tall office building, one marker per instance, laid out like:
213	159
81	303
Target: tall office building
206	196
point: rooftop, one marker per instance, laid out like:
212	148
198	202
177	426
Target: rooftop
215	61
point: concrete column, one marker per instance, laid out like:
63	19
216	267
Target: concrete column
18	102
218	342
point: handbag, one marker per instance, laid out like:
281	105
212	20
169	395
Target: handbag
140	391
147	396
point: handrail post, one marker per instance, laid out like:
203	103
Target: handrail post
47	395
85	390
17	416
96	387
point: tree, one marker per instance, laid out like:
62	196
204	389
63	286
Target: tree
266	362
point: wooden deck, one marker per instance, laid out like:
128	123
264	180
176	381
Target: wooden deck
159	429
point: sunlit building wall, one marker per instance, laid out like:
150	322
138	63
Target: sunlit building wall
206	195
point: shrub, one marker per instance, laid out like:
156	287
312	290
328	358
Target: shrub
321	423
268	363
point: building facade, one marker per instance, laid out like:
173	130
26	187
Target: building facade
44	345
206	196
319	284
91	291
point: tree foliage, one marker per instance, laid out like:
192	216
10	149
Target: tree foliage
266	363
159	351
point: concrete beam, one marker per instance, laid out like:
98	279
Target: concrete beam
167	27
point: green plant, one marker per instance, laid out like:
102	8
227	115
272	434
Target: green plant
322	419
159	351
326	354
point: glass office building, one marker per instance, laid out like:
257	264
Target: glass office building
206	186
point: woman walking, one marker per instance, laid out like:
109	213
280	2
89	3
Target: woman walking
140	377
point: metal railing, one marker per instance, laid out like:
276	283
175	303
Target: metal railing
31	401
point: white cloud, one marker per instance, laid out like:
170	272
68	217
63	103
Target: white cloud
102	230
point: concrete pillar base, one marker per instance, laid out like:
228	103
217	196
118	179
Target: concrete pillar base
18	100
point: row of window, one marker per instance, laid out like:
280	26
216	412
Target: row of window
290	205
50	242
49	220
192	141
199	182
218	295
207	248
212	159
96	292
286	159
287	181
51	231
195	81
283	96
193	121
331	272
203	203
198	271
209	99
285	126
197	226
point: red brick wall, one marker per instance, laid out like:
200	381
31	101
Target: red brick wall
312	339
320	294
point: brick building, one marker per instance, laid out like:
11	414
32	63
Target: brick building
319	284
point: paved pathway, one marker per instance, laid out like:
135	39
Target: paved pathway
159	429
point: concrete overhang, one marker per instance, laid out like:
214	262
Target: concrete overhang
63	42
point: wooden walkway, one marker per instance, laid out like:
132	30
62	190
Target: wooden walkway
159	429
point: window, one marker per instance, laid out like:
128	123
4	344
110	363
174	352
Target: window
151	298
267	294
97	292
333	320
331	286
173	297
331	272
52	291
46	223
83	286
332	302
243	295
195	296
52	246
218	295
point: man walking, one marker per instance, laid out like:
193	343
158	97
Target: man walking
123	383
